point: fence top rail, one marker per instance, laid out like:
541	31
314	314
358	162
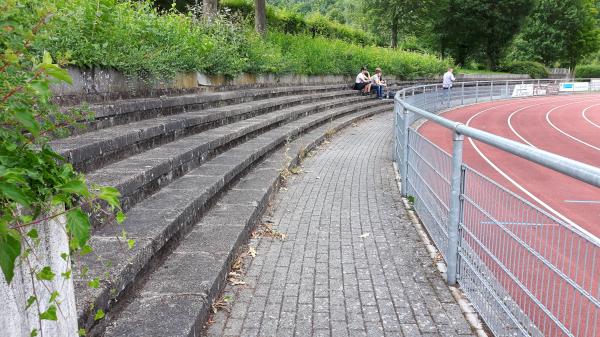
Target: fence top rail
569	167
497	82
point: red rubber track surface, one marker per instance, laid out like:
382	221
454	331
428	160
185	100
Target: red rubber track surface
576	116
568	126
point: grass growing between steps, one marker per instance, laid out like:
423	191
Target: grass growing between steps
135	38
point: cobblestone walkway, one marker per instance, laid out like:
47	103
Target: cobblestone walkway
352	263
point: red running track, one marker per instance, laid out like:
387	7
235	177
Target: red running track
565	125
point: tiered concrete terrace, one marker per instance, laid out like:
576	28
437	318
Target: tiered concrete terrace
195	173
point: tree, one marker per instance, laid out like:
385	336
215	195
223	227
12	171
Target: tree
471	27
209	8
398	16
260	16
560	31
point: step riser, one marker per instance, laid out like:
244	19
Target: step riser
128	112
98	155
217	283
163	176
183	223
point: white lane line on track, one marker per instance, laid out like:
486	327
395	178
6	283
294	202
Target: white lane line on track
586	118
523	189
584	201
510	125
566	134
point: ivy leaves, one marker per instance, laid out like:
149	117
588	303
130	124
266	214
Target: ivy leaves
10	249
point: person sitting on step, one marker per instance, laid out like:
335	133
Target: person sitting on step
363	81
378	83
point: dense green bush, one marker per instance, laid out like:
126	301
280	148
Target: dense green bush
533	69
588	71
135	38
288	21
303	54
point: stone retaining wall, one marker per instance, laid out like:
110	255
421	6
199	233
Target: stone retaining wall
99	85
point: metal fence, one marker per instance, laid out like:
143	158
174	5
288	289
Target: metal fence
527	272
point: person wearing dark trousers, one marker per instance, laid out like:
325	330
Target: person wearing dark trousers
378	83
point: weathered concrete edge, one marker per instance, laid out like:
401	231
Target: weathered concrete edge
465	305
97	84
296	159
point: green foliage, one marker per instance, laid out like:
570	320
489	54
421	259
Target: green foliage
588	71
135	38
316	56
290	21
468	26
559	31
533	69
33	178
129	36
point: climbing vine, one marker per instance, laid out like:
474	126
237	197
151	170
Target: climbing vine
36	183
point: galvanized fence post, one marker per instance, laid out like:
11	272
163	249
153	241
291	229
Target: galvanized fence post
491	90
462	94
476	91
455	208
405	145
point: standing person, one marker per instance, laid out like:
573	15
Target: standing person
363	81
378	83
447	81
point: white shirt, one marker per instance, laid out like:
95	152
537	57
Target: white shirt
448	79
361	78
375	79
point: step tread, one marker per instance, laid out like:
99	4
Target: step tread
116	107
137	170
93	143
203	256
155	220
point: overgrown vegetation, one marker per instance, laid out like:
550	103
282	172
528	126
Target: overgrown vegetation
36	183
588	71
490	32
137	39
533	69
292	22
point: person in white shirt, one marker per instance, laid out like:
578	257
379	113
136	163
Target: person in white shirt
378	83
447	81
363	81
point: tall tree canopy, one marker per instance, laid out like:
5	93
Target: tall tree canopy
397	16
560	31
488	26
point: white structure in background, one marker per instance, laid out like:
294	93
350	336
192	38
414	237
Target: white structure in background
15	319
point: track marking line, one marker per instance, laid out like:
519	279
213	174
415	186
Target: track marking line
522	188
586	118
566	134
584	201
510	125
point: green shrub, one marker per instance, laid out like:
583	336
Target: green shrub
588	71
291	22
134	38
533	69
302	54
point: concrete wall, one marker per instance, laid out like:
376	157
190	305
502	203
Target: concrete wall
98	85
15	319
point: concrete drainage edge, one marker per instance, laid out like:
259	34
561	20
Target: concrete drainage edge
465	305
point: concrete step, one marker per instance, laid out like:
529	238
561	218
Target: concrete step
175	299
141	175
159	221
132	110
93	150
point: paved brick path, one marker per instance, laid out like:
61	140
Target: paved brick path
352	263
